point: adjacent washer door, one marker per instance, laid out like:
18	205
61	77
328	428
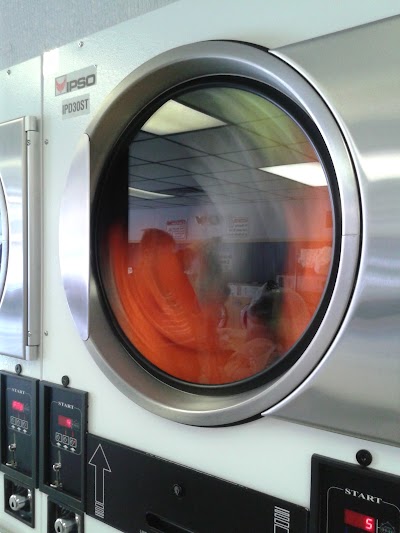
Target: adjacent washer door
218	202
20	238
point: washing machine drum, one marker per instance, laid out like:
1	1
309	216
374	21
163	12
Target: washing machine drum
217	229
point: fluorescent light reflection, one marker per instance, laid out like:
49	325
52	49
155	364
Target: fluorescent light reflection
51	61
146	195
381	166
174	117
311	174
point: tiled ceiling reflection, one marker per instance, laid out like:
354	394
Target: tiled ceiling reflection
221	164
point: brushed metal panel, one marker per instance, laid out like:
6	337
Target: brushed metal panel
355	390
74	234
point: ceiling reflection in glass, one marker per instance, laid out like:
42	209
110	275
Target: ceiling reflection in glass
227	248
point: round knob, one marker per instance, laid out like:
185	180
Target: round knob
17	502
57	467
64	525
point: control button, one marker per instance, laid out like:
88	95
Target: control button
58	437
73	442
386	527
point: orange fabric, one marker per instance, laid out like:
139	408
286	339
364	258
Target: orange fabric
253	357
294	319
159	312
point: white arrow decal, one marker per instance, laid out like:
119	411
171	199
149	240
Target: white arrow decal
99	461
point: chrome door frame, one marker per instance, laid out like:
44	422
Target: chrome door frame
135	92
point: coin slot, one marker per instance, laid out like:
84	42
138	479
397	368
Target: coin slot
19	501
161	525
62	519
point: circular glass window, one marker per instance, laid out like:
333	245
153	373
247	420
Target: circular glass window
215	235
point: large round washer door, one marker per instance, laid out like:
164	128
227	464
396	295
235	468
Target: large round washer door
221	196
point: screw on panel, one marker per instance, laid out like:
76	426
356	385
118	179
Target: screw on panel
46	333
364	457
80	44
178	490
65	381
46	141
8	72
28	143
18	369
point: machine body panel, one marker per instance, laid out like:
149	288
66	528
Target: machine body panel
348	398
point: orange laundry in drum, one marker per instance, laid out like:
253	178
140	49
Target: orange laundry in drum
158	308
173	318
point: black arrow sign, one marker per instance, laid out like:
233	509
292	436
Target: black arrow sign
100	463
146	492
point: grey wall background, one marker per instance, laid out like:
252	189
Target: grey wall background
30	27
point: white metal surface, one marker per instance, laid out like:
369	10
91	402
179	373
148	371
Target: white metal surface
269	455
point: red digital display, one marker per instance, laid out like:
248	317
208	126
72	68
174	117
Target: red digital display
64	421
361	521
17	406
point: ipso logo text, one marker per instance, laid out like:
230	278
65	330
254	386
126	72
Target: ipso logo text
80	79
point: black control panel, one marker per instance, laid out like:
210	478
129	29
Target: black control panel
18	446
352	499
66	424
63	427
140	493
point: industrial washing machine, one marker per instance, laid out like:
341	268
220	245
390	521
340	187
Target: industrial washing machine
20	267
221	296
